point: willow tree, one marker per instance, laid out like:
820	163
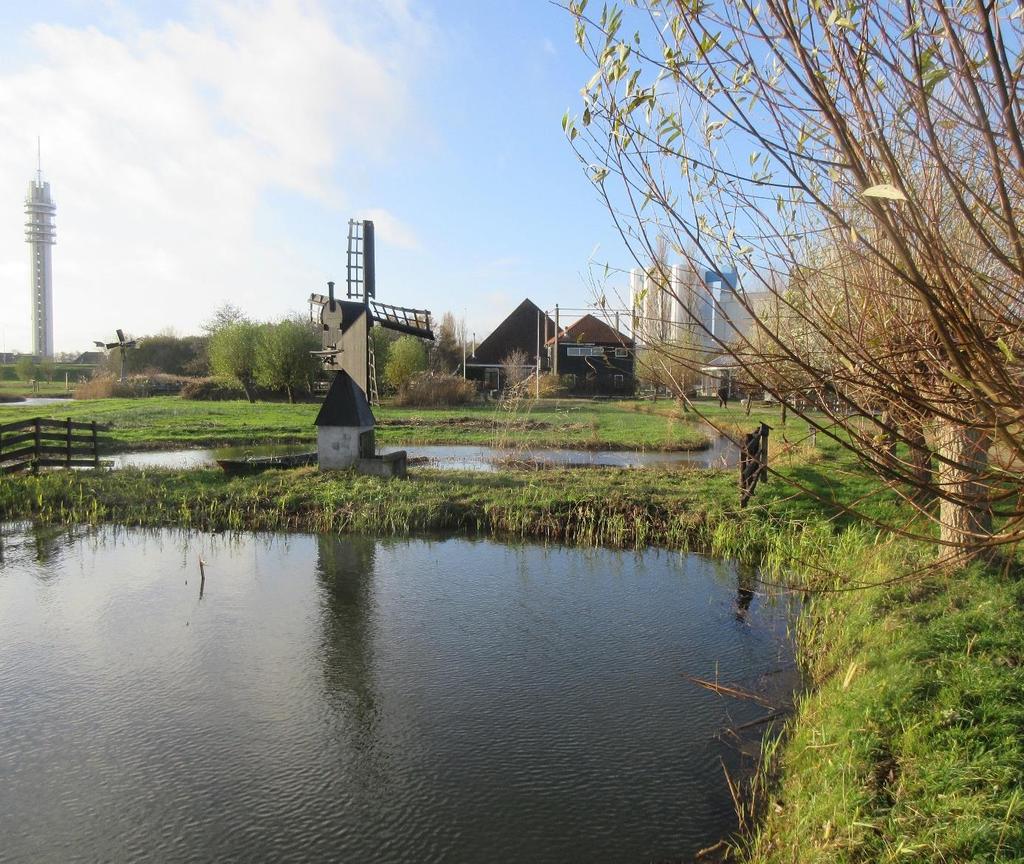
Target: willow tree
863	166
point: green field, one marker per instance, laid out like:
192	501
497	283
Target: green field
169	422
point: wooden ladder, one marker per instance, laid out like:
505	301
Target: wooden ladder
374	398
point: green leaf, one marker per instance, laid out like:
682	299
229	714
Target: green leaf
932	78
1007	353
956	379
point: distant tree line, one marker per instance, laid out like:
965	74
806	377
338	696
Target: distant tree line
276	356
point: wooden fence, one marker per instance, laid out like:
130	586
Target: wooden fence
42	443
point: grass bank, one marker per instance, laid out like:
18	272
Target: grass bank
909	744
597	507
166	422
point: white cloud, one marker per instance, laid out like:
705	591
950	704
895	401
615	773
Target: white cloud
392	230
162	144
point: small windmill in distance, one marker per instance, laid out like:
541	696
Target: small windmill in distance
122	344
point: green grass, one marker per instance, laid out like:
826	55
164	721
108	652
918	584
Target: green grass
169	422
599	507
909	746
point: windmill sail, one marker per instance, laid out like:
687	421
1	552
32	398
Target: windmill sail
413	321
345	324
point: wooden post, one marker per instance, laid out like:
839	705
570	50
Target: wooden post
95	447
743	471
763	473
202	576
537	390
555	362
67	450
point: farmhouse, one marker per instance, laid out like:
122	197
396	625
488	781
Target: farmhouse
519	332
594	359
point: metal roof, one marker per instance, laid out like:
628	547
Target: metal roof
345	404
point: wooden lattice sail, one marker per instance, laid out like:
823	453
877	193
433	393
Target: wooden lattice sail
346	323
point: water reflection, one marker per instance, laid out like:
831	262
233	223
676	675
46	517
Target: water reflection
349	699
345	568
746	583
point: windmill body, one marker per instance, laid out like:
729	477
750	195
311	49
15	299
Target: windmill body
122	345
345	425
346	324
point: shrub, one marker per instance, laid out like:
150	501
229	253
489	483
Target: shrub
232	351
284	359
108	387
212	390
133	387
432	389
407	357
553	385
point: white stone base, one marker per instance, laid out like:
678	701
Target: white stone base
338	446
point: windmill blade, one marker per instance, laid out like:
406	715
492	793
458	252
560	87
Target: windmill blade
110	345
415	322
100	344
130	344
120	334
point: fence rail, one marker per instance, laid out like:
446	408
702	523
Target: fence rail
44	443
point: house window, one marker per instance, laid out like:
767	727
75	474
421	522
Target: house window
620	380
621	352
583	351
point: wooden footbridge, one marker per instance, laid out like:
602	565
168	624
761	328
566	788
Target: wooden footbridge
43	443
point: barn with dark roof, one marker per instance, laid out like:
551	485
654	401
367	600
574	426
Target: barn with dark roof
518	332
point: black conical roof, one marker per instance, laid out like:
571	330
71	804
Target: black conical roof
345	404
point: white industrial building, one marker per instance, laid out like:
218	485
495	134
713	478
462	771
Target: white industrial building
704	310
40	234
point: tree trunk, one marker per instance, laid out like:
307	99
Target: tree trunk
920	459
965	513
291	394
247	389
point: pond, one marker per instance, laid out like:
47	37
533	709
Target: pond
369	700
29	401
457	457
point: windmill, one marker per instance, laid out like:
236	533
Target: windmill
122	344
346	324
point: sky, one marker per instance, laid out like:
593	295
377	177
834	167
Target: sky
209	152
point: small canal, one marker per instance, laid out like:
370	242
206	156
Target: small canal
355	699
457	457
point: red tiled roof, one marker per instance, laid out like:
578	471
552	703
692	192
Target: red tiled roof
589	329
